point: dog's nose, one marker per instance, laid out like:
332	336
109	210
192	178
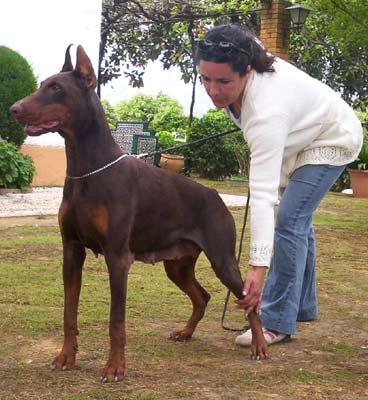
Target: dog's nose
16	109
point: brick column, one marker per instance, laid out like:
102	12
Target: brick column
274	32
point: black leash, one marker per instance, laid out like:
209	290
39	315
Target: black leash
180	146
209	137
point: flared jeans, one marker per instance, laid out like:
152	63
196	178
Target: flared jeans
289	294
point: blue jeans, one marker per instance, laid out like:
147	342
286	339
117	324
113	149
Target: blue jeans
289	294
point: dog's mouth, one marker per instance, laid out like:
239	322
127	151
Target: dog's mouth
39	129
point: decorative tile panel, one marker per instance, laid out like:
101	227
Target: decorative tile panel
135	138
145	144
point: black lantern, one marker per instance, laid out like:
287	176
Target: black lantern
298	15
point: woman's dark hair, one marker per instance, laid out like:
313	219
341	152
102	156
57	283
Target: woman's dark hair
235	46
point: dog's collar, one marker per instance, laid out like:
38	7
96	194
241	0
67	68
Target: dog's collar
96	171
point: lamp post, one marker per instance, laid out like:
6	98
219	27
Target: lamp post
298	15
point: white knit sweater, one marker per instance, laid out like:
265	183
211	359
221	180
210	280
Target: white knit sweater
289	119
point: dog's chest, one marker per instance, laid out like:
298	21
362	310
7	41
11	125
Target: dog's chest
90	223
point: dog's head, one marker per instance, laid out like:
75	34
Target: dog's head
60	100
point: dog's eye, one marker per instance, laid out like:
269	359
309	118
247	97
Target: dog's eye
55	87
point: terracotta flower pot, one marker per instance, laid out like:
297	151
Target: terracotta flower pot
359	182
172	162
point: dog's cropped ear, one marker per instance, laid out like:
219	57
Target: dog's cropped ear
68	66
84	68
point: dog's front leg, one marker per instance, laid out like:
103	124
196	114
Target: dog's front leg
118	273
74	255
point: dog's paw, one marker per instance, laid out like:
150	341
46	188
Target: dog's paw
113	372
181	335
64	361
259	350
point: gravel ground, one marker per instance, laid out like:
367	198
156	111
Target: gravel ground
46	201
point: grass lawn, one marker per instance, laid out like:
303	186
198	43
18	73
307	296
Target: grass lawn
328	359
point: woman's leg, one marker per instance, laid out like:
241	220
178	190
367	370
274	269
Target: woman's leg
292	244
308	298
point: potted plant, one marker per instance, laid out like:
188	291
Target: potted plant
171	162
358	171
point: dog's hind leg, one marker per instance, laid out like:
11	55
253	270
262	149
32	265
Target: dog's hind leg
181	272
227	271
219	246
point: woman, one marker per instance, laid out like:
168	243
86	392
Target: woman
301	136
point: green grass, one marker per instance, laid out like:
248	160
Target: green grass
326	360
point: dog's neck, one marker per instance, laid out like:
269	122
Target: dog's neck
90	145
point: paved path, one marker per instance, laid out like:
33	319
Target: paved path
46	201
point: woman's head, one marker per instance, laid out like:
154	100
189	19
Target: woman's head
230	44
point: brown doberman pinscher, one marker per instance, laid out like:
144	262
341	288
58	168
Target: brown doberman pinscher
116	205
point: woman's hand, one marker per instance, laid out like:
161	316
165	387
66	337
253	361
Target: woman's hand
252	290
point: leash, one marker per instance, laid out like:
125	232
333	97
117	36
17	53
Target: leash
180	146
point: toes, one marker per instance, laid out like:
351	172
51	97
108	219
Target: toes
110	378
259	353
63	362
58	362
112	374
180	336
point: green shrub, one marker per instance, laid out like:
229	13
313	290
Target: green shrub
161	112
109	113
16	81
216	158
16	169
165	140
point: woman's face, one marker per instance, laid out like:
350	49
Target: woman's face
222	83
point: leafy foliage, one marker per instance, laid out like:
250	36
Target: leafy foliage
333	47
165	140
161	112
109	113
16	169
216	158
16	81
136	32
